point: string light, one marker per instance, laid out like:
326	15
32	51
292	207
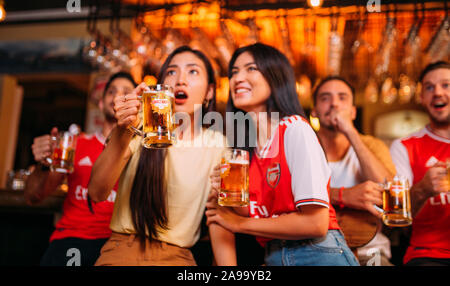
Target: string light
315	3
2	11
314	123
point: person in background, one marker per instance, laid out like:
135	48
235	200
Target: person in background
162	192
423	157
358	162
81	231
289	208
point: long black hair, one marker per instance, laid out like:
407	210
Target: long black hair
279	74
148	198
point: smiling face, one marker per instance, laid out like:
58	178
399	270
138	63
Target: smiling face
436	95
187	75
248	87
333	96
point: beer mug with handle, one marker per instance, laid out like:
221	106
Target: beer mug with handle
396	202
63	155
234	178
157	111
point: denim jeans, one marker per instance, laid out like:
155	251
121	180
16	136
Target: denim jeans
331	250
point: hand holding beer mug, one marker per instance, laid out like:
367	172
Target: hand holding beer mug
234	178
158	102
63	155
397	202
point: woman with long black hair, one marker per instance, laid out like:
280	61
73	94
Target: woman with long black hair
162	192
289	209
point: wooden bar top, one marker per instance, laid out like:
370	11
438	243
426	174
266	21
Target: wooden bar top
15	199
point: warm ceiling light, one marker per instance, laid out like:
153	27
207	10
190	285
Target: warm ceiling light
150	80
315	3
2	11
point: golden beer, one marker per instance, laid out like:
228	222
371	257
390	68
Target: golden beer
448	171
234	179
158	105
397	203
63	155
62	160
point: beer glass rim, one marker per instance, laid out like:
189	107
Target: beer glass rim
61	134
159	87
232	151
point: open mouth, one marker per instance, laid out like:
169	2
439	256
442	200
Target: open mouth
439	105
180	97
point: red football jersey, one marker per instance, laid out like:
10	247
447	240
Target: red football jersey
77	220
289	172
413	156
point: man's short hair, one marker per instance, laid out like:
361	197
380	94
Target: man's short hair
432	67
120	74
330	78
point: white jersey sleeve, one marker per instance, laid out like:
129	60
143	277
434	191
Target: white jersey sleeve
400	158
307	164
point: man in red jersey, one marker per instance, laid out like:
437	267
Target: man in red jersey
81	231
421	157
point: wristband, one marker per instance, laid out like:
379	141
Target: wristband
341	202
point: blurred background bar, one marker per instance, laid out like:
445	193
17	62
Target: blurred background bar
55	57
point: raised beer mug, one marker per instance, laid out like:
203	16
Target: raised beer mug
157	112
234	178
63	155
397	202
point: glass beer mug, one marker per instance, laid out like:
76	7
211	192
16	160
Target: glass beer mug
447	163
234	178
157	130
397	202
63	155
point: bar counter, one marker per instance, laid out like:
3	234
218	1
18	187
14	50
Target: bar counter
25	230
15	200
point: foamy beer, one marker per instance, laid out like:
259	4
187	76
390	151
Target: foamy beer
63	155
158	102
234	178
397	202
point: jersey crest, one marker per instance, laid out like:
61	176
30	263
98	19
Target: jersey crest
273	175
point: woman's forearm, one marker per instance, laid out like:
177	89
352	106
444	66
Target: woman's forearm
223	245
110	164
311	222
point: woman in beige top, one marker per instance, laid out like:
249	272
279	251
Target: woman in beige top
162	192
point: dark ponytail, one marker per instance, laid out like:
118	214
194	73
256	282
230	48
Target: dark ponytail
148	196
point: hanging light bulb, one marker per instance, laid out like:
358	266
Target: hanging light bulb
315	3
2	11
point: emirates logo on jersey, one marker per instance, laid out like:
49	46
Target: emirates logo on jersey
273	175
